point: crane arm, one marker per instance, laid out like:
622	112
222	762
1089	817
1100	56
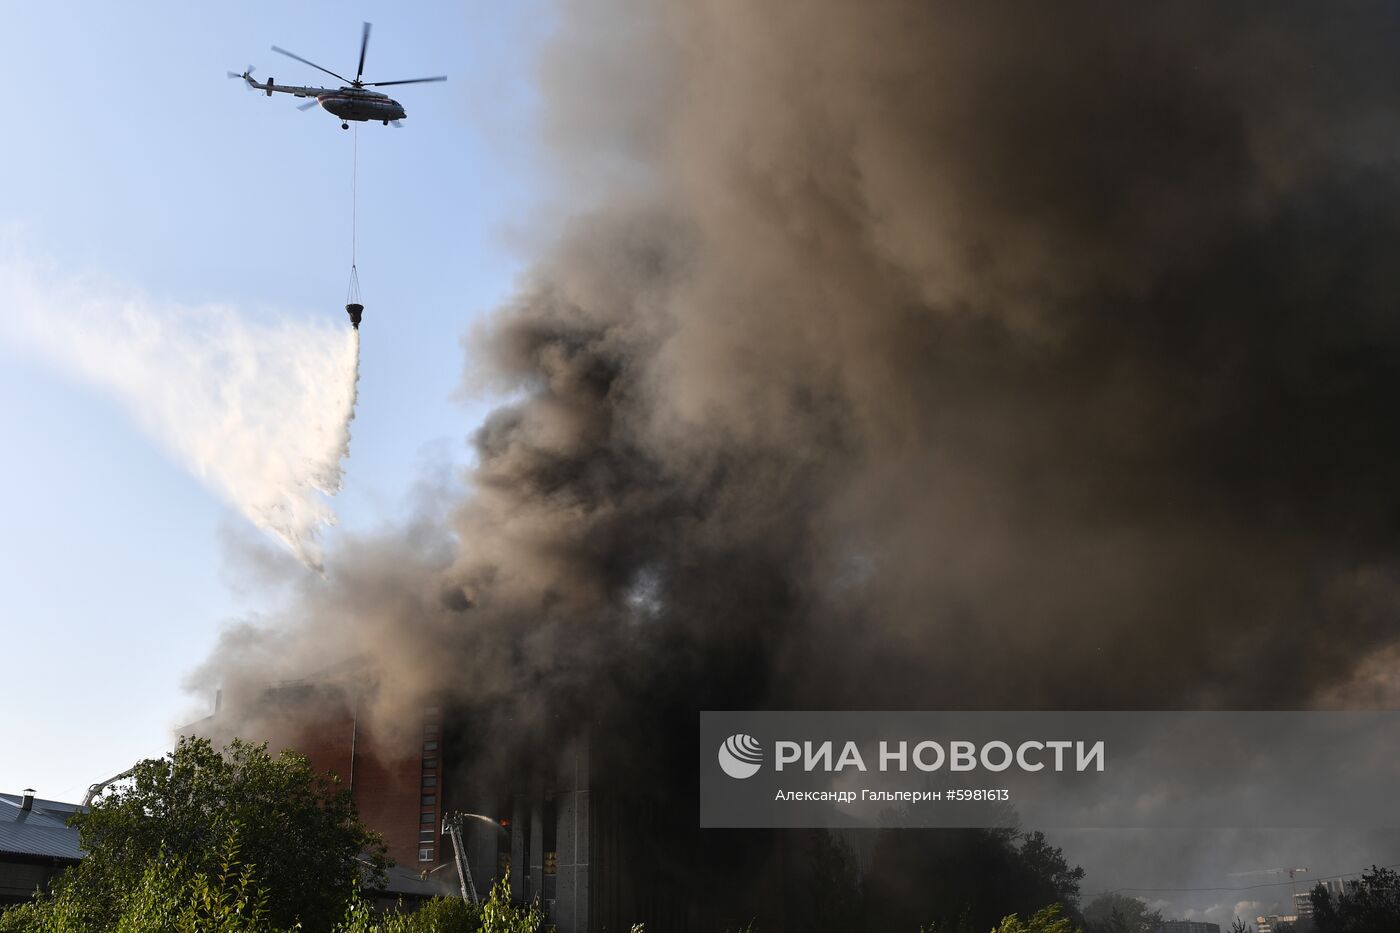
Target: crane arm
100	786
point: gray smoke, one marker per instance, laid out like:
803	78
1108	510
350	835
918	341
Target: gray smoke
919	355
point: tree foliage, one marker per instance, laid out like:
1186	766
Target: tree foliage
170	898
499	915
167	897
297	835
448	915
1118	913
964	879
1045	920
1373	906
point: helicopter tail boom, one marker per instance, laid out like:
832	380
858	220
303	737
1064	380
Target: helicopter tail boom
270	86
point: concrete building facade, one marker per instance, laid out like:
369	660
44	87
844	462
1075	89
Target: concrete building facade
601	840
1302	900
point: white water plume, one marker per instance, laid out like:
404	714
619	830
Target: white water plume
258	409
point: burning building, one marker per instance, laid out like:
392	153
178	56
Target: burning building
898	356
583	838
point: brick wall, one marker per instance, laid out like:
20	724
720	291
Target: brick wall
397	793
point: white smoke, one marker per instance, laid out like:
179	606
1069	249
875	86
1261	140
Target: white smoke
258	409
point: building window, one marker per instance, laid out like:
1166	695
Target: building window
428	819
430	780
425	855
429	764
429	800
427	835
430	728
430	746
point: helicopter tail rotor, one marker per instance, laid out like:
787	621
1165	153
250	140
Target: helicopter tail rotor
247	76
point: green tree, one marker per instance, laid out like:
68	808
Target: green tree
961	878
1117	913
499	915
1045	920
447	915
1047	864
167	898
1372	906
170	898
297	831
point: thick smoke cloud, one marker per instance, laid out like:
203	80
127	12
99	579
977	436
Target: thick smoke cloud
924	355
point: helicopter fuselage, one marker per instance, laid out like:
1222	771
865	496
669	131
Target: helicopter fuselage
351	103
348	103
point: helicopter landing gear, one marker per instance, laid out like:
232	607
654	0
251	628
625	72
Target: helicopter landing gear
345	126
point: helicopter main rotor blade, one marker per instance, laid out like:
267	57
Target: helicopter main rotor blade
409	81
364	44
306	61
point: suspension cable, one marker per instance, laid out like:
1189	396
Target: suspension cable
354	189
353	293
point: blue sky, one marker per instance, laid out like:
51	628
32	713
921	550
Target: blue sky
139	164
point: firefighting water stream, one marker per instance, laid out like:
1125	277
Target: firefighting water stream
258	408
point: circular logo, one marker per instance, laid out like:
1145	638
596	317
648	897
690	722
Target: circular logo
741	756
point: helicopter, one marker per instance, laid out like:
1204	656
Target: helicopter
350	102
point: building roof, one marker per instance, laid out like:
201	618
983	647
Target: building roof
41	831
51	807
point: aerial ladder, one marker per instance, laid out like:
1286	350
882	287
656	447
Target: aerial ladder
452	828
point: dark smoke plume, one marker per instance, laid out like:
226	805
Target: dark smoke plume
924	355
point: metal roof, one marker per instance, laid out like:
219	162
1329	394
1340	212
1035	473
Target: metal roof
51	807
41	831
